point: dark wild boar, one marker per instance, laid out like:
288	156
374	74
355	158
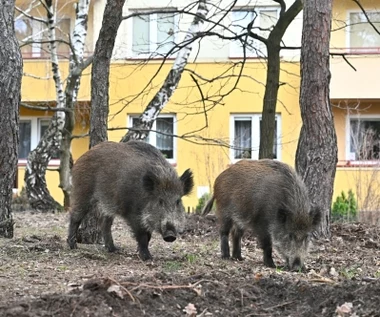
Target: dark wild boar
132	180
270	199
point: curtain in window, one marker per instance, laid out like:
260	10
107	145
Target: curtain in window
243	138
141	35
165	32
362	33
164	142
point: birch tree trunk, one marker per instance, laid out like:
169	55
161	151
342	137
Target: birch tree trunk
268	121
57	138
316	155
146	120
38	159
10	86
76	66
90	232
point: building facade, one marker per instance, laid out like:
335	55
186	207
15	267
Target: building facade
215	112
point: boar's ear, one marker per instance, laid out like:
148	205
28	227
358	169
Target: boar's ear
316	215
149	181
282	215
187	181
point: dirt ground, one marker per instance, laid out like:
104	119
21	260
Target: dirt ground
40	276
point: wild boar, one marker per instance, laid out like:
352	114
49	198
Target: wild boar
270	199
132	180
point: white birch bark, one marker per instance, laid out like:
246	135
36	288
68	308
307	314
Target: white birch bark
76	67
145	122
38	159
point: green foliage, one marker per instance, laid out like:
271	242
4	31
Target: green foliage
345	207
202	202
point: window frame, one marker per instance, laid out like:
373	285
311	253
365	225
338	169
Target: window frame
368	117
255	135
235	50
35	131
358	50
152	133
153	32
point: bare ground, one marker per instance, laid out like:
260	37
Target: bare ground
40	276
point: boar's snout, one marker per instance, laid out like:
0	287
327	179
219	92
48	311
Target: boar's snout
169	234
295	265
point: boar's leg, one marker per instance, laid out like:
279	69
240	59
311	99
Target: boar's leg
266	245
143	238
107	234
224	232
237	233
76	218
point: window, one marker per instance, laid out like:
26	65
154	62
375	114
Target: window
33	32
161	135
361	33
152	34
245	133
263	21
363	138
31	130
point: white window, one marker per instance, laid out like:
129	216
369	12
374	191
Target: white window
245	136
363	138
263	19
31	130
33	38
152	35
361	33
161	135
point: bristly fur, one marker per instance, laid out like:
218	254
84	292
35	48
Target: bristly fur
268	198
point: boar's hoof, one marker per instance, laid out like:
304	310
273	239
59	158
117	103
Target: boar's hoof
238	258
145	256
72	244
269	263
169	236
112	248
226	257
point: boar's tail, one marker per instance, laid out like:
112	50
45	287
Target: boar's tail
208	206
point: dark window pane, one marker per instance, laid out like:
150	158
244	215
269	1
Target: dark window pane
164	141
243	142
365	139
25	138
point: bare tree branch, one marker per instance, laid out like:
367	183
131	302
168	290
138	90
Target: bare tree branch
366	15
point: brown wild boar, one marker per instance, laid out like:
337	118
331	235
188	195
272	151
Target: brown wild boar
132	180
270	199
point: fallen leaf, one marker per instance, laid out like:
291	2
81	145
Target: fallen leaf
190	310
116	289
344	309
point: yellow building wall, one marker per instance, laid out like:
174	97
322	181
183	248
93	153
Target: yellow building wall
207	161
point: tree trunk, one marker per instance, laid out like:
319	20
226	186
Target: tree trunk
316	155
71	93
38	159
171	82
113	15
268	120
10	86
